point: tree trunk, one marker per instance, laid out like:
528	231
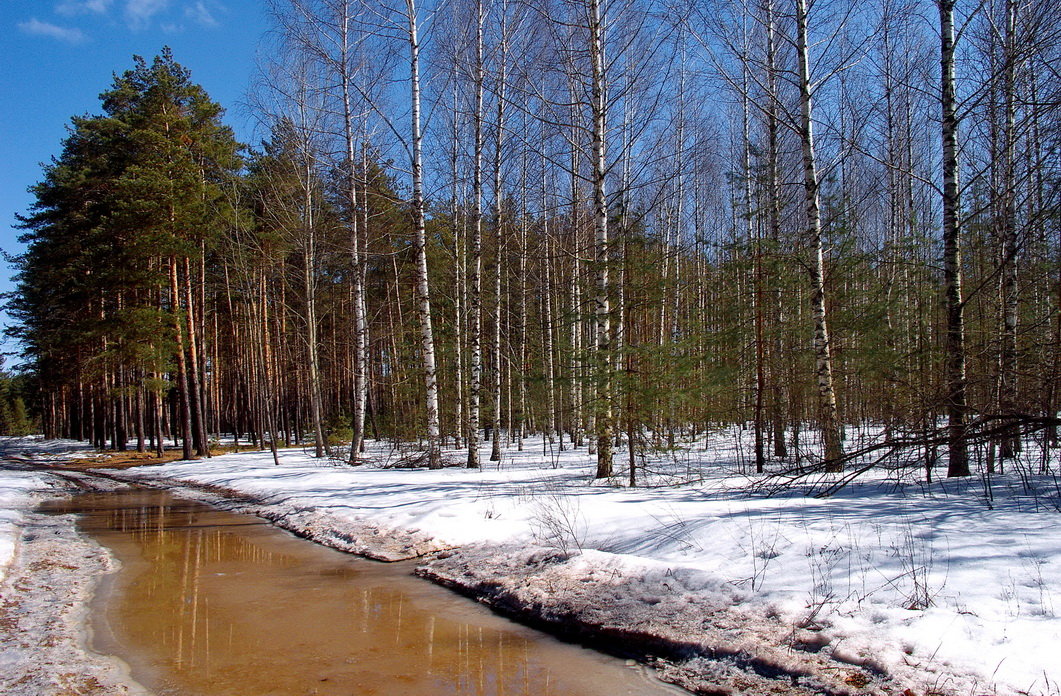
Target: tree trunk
195	382
182	371
460	287
475	294
830	425
427	338
499	241
309	288
357	234
773	184
601	300
1009	442
956	407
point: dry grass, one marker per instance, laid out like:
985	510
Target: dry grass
120	460
112	459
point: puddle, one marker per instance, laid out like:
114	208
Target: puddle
210	603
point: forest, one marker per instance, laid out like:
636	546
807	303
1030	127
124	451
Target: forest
619	224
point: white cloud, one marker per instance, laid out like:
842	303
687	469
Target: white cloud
35	27
170	16
138	13
201	14
72	8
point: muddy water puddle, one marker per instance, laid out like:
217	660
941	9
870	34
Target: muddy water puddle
209	603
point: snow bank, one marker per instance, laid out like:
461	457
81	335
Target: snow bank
21	490
696	628
43	616
48	574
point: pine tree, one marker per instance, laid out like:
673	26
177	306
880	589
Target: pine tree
106	294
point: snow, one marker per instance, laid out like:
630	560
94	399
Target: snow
924	582
17	491
21	490
48	573
36	448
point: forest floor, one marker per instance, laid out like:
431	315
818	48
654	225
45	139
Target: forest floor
889	585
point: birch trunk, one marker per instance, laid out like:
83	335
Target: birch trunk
460	287
499	241
427	338
521	280
547	316
357	299
1009	442
830	425
602	306
475	294
309	263
956	406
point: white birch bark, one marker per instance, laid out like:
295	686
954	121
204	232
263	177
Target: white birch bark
1007	369
357	235
460	288
475	293
956	406
423	293
829	421
499	236
309	263
547	312
601	300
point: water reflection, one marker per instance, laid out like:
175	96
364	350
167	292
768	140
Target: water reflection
220	604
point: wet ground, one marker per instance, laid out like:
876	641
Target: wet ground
210	603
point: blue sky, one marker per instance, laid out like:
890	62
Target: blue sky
56	56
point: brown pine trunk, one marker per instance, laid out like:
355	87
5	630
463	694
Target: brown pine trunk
195	397
182	369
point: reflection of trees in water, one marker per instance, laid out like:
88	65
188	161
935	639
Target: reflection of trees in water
213	606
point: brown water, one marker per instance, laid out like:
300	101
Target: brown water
216	604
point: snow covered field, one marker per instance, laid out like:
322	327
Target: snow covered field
941	586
